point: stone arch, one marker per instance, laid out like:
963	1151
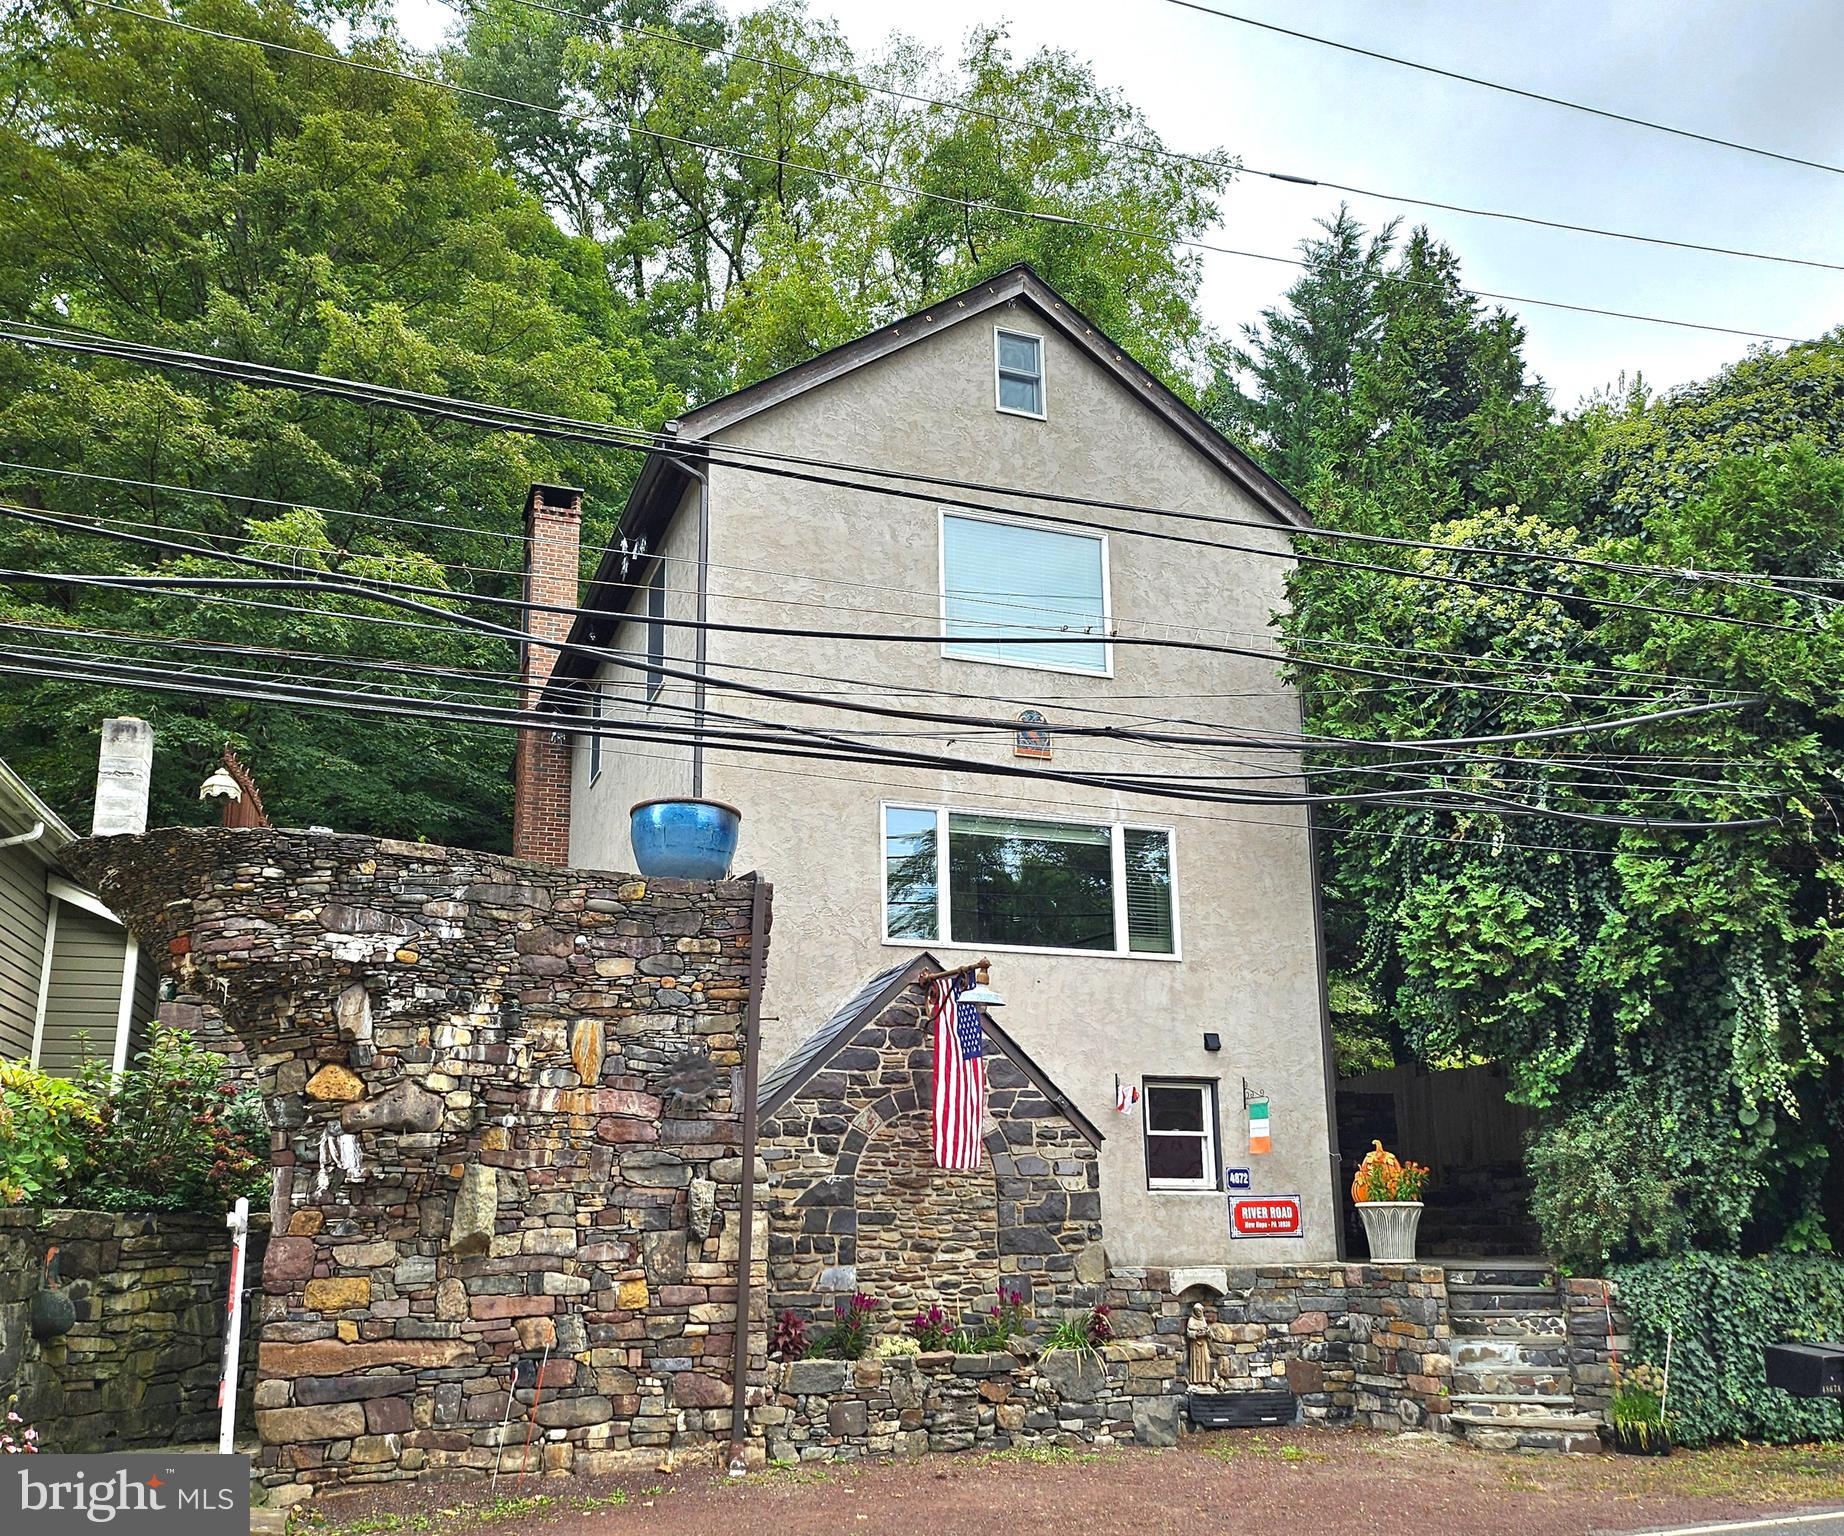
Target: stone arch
925	1234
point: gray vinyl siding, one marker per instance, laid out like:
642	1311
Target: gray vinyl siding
24	911
85	994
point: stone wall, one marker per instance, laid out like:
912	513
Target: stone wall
1599	1332
507	1110
837	1410
1364	1343
140	1365
855	1201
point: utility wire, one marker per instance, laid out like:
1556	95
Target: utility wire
780	467
1037	129
1510	90
379	589
899	188
1463	801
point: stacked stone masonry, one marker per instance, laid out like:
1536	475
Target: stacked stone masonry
855	1200
139	1364
507	1142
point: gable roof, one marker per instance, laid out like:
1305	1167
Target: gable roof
664	478
808	1059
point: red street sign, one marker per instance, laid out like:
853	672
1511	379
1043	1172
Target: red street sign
1265	1216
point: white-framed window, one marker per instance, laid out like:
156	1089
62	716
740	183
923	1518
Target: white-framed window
1000	881
1181	1133
1003	583
596	699
1018	372
656	632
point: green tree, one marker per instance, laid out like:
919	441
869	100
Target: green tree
223	198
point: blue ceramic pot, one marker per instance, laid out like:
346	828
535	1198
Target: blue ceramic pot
684	839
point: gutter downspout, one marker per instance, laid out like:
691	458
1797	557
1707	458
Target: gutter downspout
759	916
38	831
703	633
1325	1036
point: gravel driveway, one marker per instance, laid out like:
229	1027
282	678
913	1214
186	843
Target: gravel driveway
1265	1483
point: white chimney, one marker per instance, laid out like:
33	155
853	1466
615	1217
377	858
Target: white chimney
123	777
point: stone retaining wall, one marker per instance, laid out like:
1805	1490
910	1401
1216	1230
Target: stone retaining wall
140	1365
507	1101
835	1410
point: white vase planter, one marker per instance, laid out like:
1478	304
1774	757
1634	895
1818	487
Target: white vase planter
1390	1226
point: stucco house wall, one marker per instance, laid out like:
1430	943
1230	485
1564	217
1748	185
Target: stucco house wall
790	552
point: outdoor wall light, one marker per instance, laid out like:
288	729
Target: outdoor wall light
981	994
1213	1042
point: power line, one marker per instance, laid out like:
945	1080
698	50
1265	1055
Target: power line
379	589
899	188
1510	90
72	669
1132	146
779	465
390	593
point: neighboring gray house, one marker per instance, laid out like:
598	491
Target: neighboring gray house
72	980
1167	947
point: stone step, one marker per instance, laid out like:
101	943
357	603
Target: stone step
1499	1381
1518	1348
1570	1432
1501	1298
1491	1275
1508	1405
1504	1324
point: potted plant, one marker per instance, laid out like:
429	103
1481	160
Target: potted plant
1388	1194
683	838
1636	1416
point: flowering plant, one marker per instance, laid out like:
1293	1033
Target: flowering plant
1381	1177
1636	1413
929	1328
17	1438
851	1321
1100	1326
1008	1312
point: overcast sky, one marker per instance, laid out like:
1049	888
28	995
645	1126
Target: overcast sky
1765	73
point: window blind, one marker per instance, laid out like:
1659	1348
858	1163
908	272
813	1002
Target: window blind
1003	579
1149	891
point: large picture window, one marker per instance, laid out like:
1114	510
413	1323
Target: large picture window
1181	1135
1026	882
1004	583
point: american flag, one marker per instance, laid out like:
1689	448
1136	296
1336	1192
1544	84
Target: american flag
960	1075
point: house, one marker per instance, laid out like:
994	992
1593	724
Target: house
73	983
1161	950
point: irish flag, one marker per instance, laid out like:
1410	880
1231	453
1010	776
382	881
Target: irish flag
1258	1126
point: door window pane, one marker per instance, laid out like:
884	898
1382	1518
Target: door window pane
1044	884
1002	579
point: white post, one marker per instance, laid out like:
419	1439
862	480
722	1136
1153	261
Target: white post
238	1220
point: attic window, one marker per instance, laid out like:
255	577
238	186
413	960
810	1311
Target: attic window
1018	360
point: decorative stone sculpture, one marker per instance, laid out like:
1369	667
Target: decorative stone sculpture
1197	1345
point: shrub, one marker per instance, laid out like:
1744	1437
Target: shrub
1605	1185
43	1122
1722	1312
174	1135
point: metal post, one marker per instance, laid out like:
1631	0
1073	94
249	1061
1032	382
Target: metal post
238	1220
746	1216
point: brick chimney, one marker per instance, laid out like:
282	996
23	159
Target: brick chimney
541	768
